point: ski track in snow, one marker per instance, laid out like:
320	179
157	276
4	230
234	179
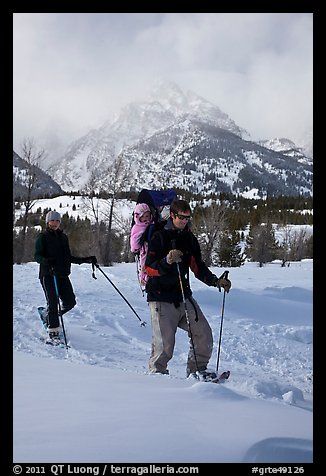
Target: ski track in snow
103	330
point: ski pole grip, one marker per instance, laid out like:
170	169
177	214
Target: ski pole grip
224	275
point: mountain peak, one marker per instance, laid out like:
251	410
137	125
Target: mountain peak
188	142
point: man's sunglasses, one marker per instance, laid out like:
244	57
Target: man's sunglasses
182	217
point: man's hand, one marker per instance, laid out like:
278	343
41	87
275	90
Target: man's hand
222	283
225	283
174	256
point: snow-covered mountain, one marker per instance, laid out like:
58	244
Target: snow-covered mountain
44	184
287	147
179	139
202	158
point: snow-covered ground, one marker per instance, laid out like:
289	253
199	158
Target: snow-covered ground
96	402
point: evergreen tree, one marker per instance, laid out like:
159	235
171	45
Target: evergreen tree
261	244
229	250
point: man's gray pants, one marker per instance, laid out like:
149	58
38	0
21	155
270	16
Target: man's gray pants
166	318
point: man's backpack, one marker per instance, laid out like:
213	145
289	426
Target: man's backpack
156	200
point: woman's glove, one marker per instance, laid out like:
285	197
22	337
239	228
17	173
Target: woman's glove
90	259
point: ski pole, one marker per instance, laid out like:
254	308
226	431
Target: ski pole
186	309
224	275
60	311
142	323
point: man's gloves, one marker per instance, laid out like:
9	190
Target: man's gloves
90	259
174	256
222	283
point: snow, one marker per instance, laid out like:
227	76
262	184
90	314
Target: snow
96	402
78	206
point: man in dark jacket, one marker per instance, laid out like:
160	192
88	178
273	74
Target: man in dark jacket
52	252
171	253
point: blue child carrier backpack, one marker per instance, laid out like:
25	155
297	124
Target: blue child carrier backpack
156	200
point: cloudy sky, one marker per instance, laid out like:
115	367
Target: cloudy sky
73	71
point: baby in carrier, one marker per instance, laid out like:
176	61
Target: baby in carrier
138	244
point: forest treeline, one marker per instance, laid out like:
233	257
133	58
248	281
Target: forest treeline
230	229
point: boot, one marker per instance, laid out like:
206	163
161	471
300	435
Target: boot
54	336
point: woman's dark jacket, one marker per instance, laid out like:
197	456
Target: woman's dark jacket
52	251
164	282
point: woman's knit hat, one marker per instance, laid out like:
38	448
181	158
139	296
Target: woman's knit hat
52	215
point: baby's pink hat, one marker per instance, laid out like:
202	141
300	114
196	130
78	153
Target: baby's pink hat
141	208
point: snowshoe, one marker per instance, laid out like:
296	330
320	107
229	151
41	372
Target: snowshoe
43	313
223	376
203	375
208	376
